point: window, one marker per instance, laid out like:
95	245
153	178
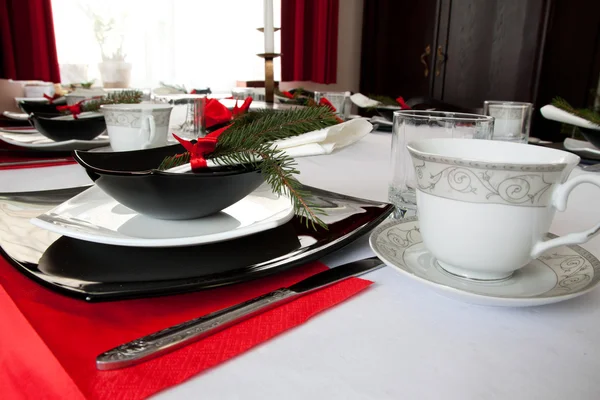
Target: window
196	43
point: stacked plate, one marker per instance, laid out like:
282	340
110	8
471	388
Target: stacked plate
155	244
57	133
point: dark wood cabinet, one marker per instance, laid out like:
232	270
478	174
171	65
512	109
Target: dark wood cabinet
464	52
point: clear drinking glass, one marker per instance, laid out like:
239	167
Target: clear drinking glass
512	120
187	120
411	125
340	100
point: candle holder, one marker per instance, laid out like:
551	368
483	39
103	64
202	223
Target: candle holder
269	76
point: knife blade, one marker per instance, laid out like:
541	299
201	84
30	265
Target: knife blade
177	336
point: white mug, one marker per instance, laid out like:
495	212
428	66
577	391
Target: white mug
485	206
136	126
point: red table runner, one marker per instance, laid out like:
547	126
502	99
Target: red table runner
51	340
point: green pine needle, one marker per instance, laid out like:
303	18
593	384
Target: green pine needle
249	141
174	161
122	97
587	114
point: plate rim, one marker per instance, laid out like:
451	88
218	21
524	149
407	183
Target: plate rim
478	298
273	221
66	145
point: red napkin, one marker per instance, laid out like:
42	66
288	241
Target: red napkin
215	113
41	163
75	332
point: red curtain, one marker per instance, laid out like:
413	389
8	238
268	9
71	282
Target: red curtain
27	45
309	33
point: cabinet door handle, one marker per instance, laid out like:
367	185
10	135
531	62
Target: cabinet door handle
423	56
441	59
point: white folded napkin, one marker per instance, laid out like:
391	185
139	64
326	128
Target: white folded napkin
363	101
315	143
325	141
556	114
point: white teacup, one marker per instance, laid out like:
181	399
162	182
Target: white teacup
484	206
136	126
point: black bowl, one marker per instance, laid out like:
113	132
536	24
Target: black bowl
592	136
387	112
130	178
59	130
45	107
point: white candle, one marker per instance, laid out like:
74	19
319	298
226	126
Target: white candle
268	26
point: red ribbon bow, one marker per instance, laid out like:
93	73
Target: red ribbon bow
74	109
198	149
287	94
51	98
215	113
326	103
403	105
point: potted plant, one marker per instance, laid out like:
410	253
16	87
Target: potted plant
115	72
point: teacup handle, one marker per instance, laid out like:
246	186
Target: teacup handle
149	121
559	201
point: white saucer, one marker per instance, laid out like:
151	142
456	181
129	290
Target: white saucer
38	141
560	274
582	148
96	217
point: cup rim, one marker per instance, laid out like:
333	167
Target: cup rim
442	115
506	147
139	107
508	104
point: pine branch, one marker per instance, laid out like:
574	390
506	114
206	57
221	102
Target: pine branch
587	114
124	97
385	100
174	161
249	141
270	126
278	170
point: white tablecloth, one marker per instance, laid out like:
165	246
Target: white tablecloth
397	339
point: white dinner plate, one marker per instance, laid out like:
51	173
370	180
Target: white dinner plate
96	217
560	274
16	115
37	141
19	129
582	148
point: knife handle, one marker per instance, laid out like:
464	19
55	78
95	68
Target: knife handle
174	337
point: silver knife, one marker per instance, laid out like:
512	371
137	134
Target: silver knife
177	336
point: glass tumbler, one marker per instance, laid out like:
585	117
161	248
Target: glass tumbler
190	110
412	125
339	100
512	120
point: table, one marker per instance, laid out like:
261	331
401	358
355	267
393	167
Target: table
398	340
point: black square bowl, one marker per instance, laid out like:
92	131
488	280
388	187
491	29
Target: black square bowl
60	130
45	107
131	178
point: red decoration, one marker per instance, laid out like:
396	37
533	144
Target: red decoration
244	108
215	113
326	103
403	105
198	149
51	98
287	94
74	109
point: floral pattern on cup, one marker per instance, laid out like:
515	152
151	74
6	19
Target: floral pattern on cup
132	119
487	183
